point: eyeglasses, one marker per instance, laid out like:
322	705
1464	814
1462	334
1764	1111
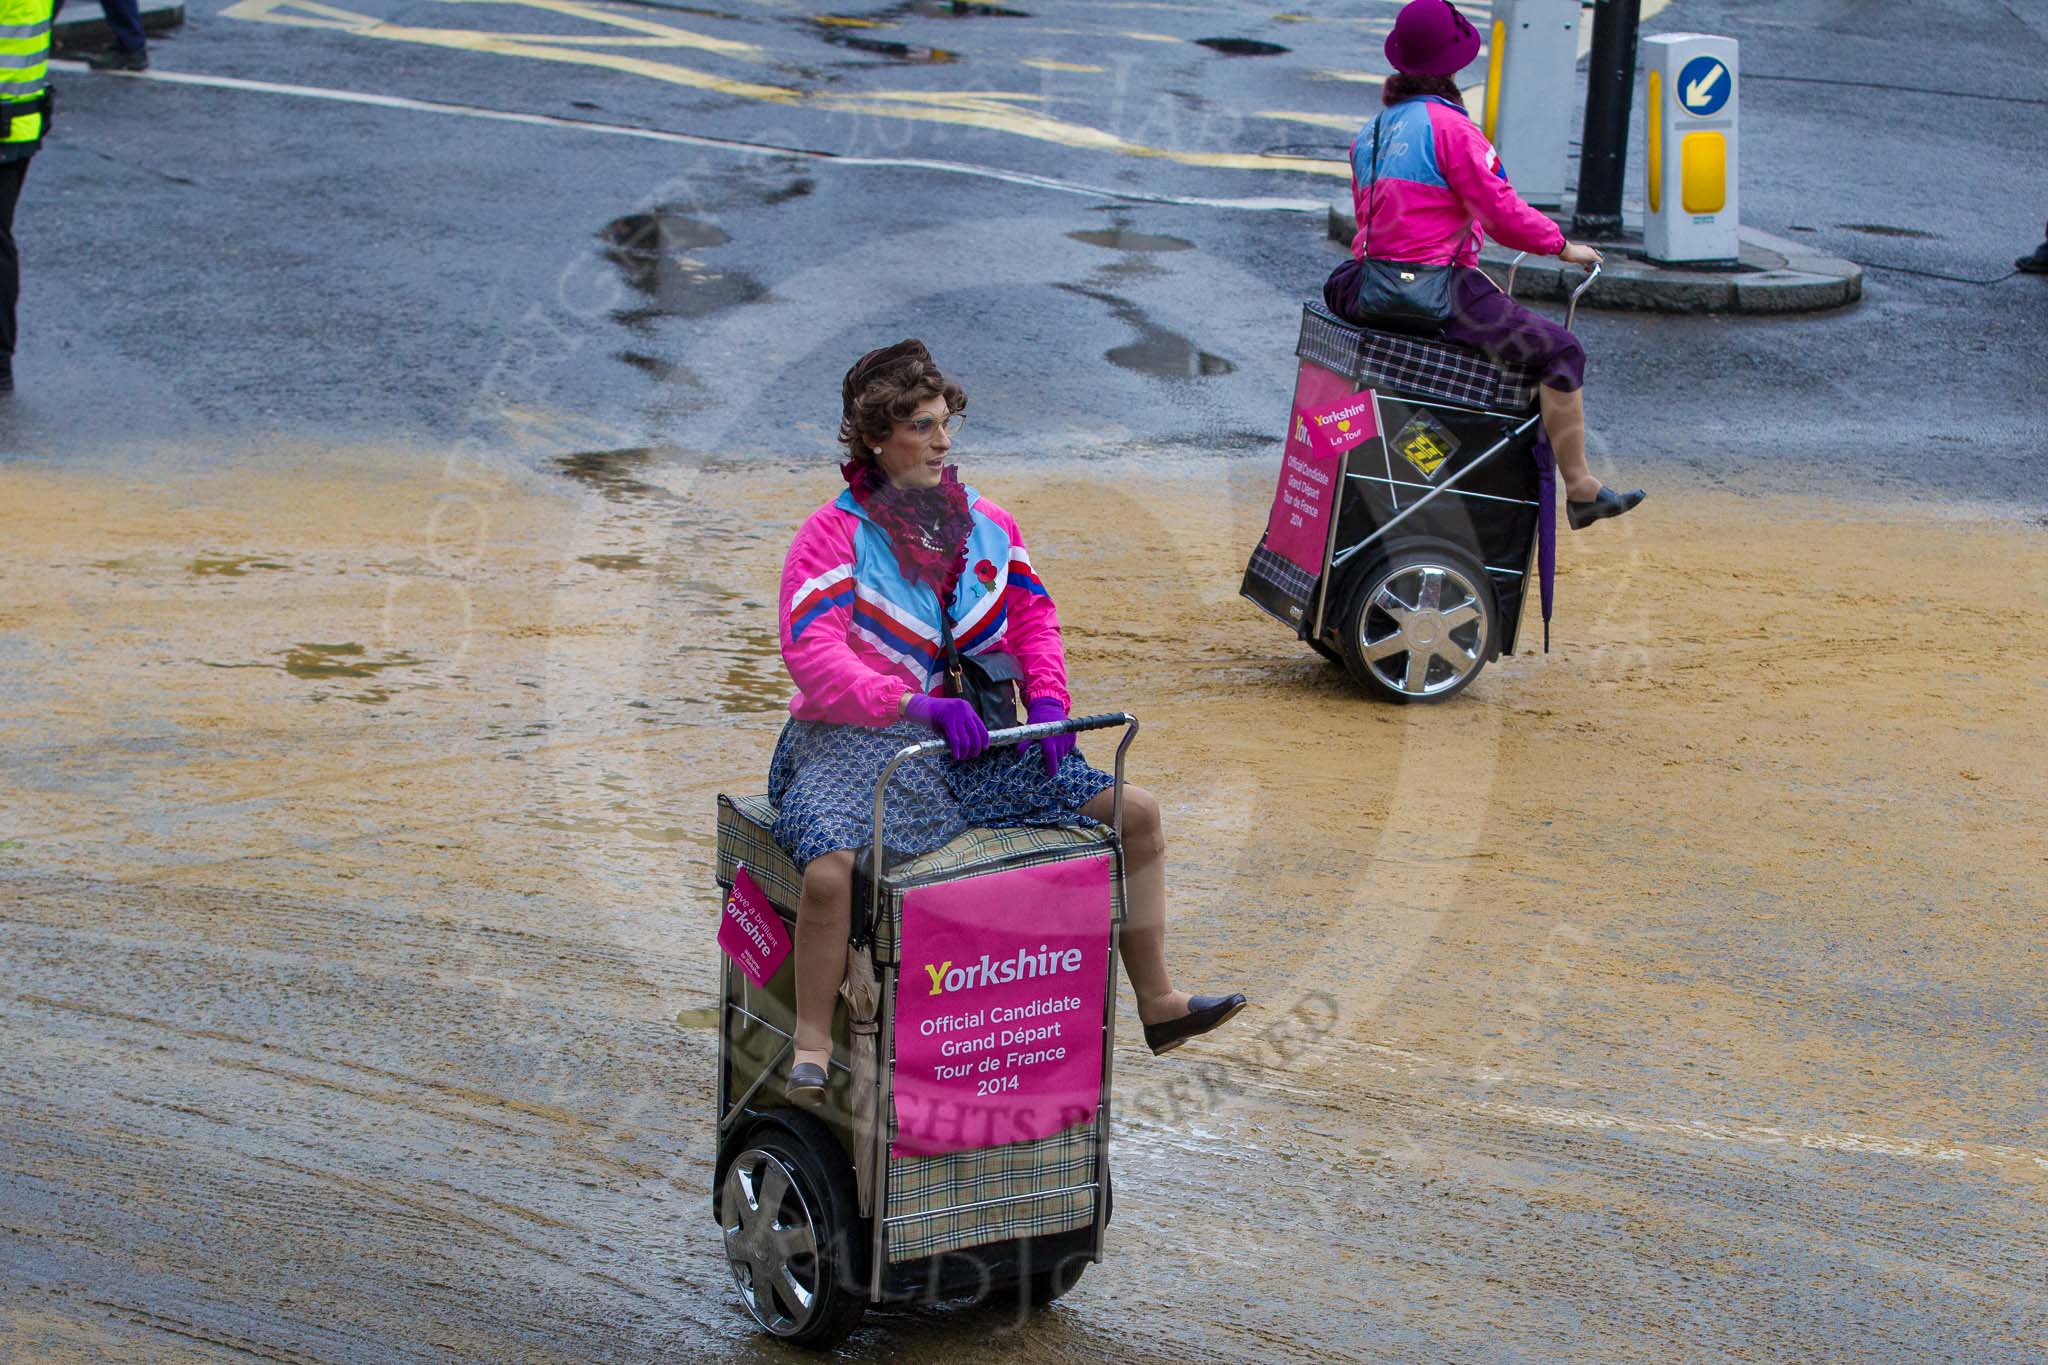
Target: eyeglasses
923	427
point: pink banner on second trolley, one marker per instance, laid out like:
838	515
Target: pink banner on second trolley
999	1006
1329	419
750	932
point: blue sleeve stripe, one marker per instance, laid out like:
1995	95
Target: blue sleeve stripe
838	599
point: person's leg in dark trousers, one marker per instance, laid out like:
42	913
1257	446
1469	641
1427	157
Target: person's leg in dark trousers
130	50
11	173
125	18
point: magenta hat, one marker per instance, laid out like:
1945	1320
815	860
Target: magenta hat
1431	38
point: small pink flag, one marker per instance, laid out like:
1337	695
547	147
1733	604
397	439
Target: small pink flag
750	932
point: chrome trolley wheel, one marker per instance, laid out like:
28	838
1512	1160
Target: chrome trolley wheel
782	1243
1420	626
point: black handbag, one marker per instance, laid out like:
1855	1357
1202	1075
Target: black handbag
1400	294
987	681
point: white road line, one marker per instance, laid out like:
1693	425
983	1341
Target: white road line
1253	204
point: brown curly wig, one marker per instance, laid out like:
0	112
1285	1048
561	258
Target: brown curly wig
1402	86
885	387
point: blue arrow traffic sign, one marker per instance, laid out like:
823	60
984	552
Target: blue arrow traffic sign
1704	86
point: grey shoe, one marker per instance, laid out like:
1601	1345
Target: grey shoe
806	1088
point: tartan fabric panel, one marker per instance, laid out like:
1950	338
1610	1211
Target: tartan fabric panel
931	1190
745	835
1396	363
1281	573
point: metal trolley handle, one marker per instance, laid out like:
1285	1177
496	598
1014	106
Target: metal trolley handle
1570	314
1017	734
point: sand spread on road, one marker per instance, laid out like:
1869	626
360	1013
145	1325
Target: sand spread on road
1750	858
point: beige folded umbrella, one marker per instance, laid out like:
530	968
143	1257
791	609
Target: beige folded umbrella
863	999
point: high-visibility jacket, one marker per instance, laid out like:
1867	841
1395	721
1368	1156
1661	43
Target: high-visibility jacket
24	74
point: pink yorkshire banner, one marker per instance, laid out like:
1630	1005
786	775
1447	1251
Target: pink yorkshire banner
999	1007
1329	419
750	931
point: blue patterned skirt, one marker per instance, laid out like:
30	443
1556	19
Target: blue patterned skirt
822	781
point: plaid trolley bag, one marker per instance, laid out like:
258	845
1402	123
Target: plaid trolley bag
1405	526
929	1198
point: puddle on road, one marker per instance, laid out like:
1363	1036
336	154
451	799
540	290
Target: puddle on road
961	9
316	662
620	563
612	472
226	566
350	660
1121	238
1157	352
655	252
795	189
1887	230
652	365
1242	47
899	52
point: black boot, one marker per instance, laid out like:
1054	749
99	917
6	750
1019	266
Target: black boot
119	59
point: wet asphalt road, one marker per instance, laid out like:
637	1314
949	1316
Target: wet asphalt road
216	276
256	266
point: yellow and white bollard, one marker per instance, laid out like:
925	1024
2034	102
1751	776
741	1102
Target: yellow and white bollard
1690	107
1532	56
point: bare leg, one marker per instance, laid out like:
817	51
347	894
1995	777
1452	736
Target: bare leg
1564	422
822	917
1144	936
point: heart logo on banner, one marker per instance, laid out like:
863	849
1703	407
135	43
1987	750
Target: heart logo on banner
1344	425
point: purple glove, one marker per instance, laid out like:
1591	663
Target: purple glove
954	719
1057	747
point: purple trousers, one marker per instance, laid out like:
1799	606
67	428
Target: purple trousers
1486	319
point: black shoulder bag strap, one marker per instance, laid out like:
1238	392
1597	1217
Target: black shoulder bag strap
1375	179
988	682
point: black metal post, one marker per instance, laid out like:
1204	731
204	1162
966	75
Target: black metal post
1610	88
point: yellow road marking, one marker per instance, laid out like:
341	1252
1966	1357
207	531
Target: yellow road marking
993	111
315	15
618	17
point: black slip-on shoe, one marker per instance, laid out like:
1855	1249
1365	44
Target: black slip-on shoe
2034	262
806	1088
1204	1013
119	59
1607	504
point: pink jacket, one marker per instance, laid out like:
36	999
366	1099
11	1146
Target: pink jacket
857	636
1440	183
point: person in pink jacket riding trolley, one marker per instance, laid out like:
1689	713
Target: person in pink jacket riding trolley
1437	187
861	594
